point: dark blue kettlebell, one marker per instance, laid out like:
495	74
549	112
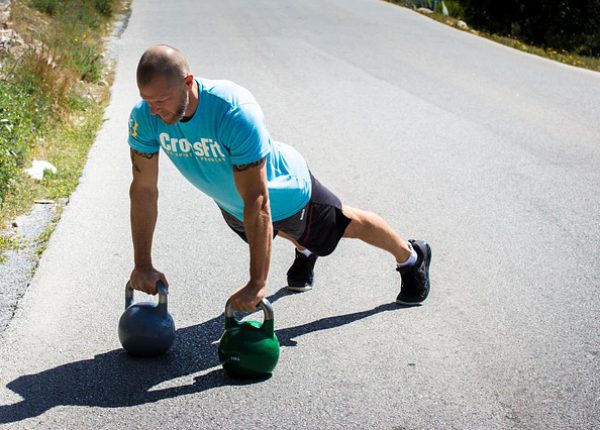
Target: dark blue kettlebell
146	329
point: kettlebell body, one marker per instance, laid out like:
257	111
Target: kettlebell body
249	349
146	329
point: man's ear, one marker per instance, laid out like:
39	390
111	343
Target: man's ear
189	81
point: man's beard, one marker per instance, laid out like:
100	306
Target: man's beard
180	112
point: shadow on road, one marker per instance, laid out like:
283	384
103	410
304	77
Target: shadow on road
113	379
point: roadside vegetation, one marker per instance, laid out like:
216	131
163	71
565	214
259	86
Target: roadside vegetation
54	85
562	30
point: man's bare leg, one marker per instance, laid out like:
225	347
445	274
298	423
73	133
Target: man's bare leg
413	260
374	230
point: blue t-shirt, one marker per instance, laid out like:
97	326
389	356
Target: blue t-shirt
227	128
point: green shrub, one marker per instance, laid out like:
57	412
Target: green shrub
74	41
37	91
16	129
51	7
46	6
105	7
559	24
86	60
28	93
77	102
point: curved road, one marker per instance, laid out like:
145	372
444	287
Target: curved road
490	154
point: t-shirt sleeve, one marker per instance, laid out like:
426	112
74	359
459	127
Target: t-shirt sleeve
141	133
244	134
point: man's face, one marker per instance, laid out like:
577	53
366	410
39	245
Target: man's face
168	100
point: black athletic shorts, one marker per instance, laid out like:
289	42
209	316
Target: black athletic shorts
319	226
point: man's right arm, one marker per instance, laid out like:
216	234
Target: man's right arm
143	194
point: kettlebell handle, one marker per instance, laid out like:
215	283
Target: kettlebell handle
162	297
265	306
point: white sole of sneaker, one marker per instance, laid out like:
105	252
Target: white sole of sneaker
300	289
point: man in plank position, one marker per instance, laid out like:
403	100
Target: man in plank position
214	133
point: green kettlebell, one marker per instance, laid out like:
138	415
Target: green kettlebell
249	349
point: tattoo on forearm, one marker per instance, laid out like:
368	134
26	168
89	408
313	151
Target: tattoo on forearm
143	154
242	167
133	153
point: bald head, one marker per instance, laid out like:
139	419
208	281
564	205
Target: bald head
161	61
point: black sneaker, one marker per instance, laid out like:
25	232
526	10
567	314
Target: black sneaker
300	276
415	278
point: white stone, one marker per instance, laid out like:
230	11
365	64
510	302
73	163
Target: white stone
36	171
424	10
10	41
463	25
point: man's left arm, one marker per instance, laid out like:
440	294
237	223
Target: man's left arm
251	182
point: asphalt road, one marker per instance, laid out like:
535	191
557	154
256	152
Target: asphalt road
491	155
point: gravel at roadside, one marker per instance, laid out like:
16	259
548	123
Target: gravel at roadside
18	269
